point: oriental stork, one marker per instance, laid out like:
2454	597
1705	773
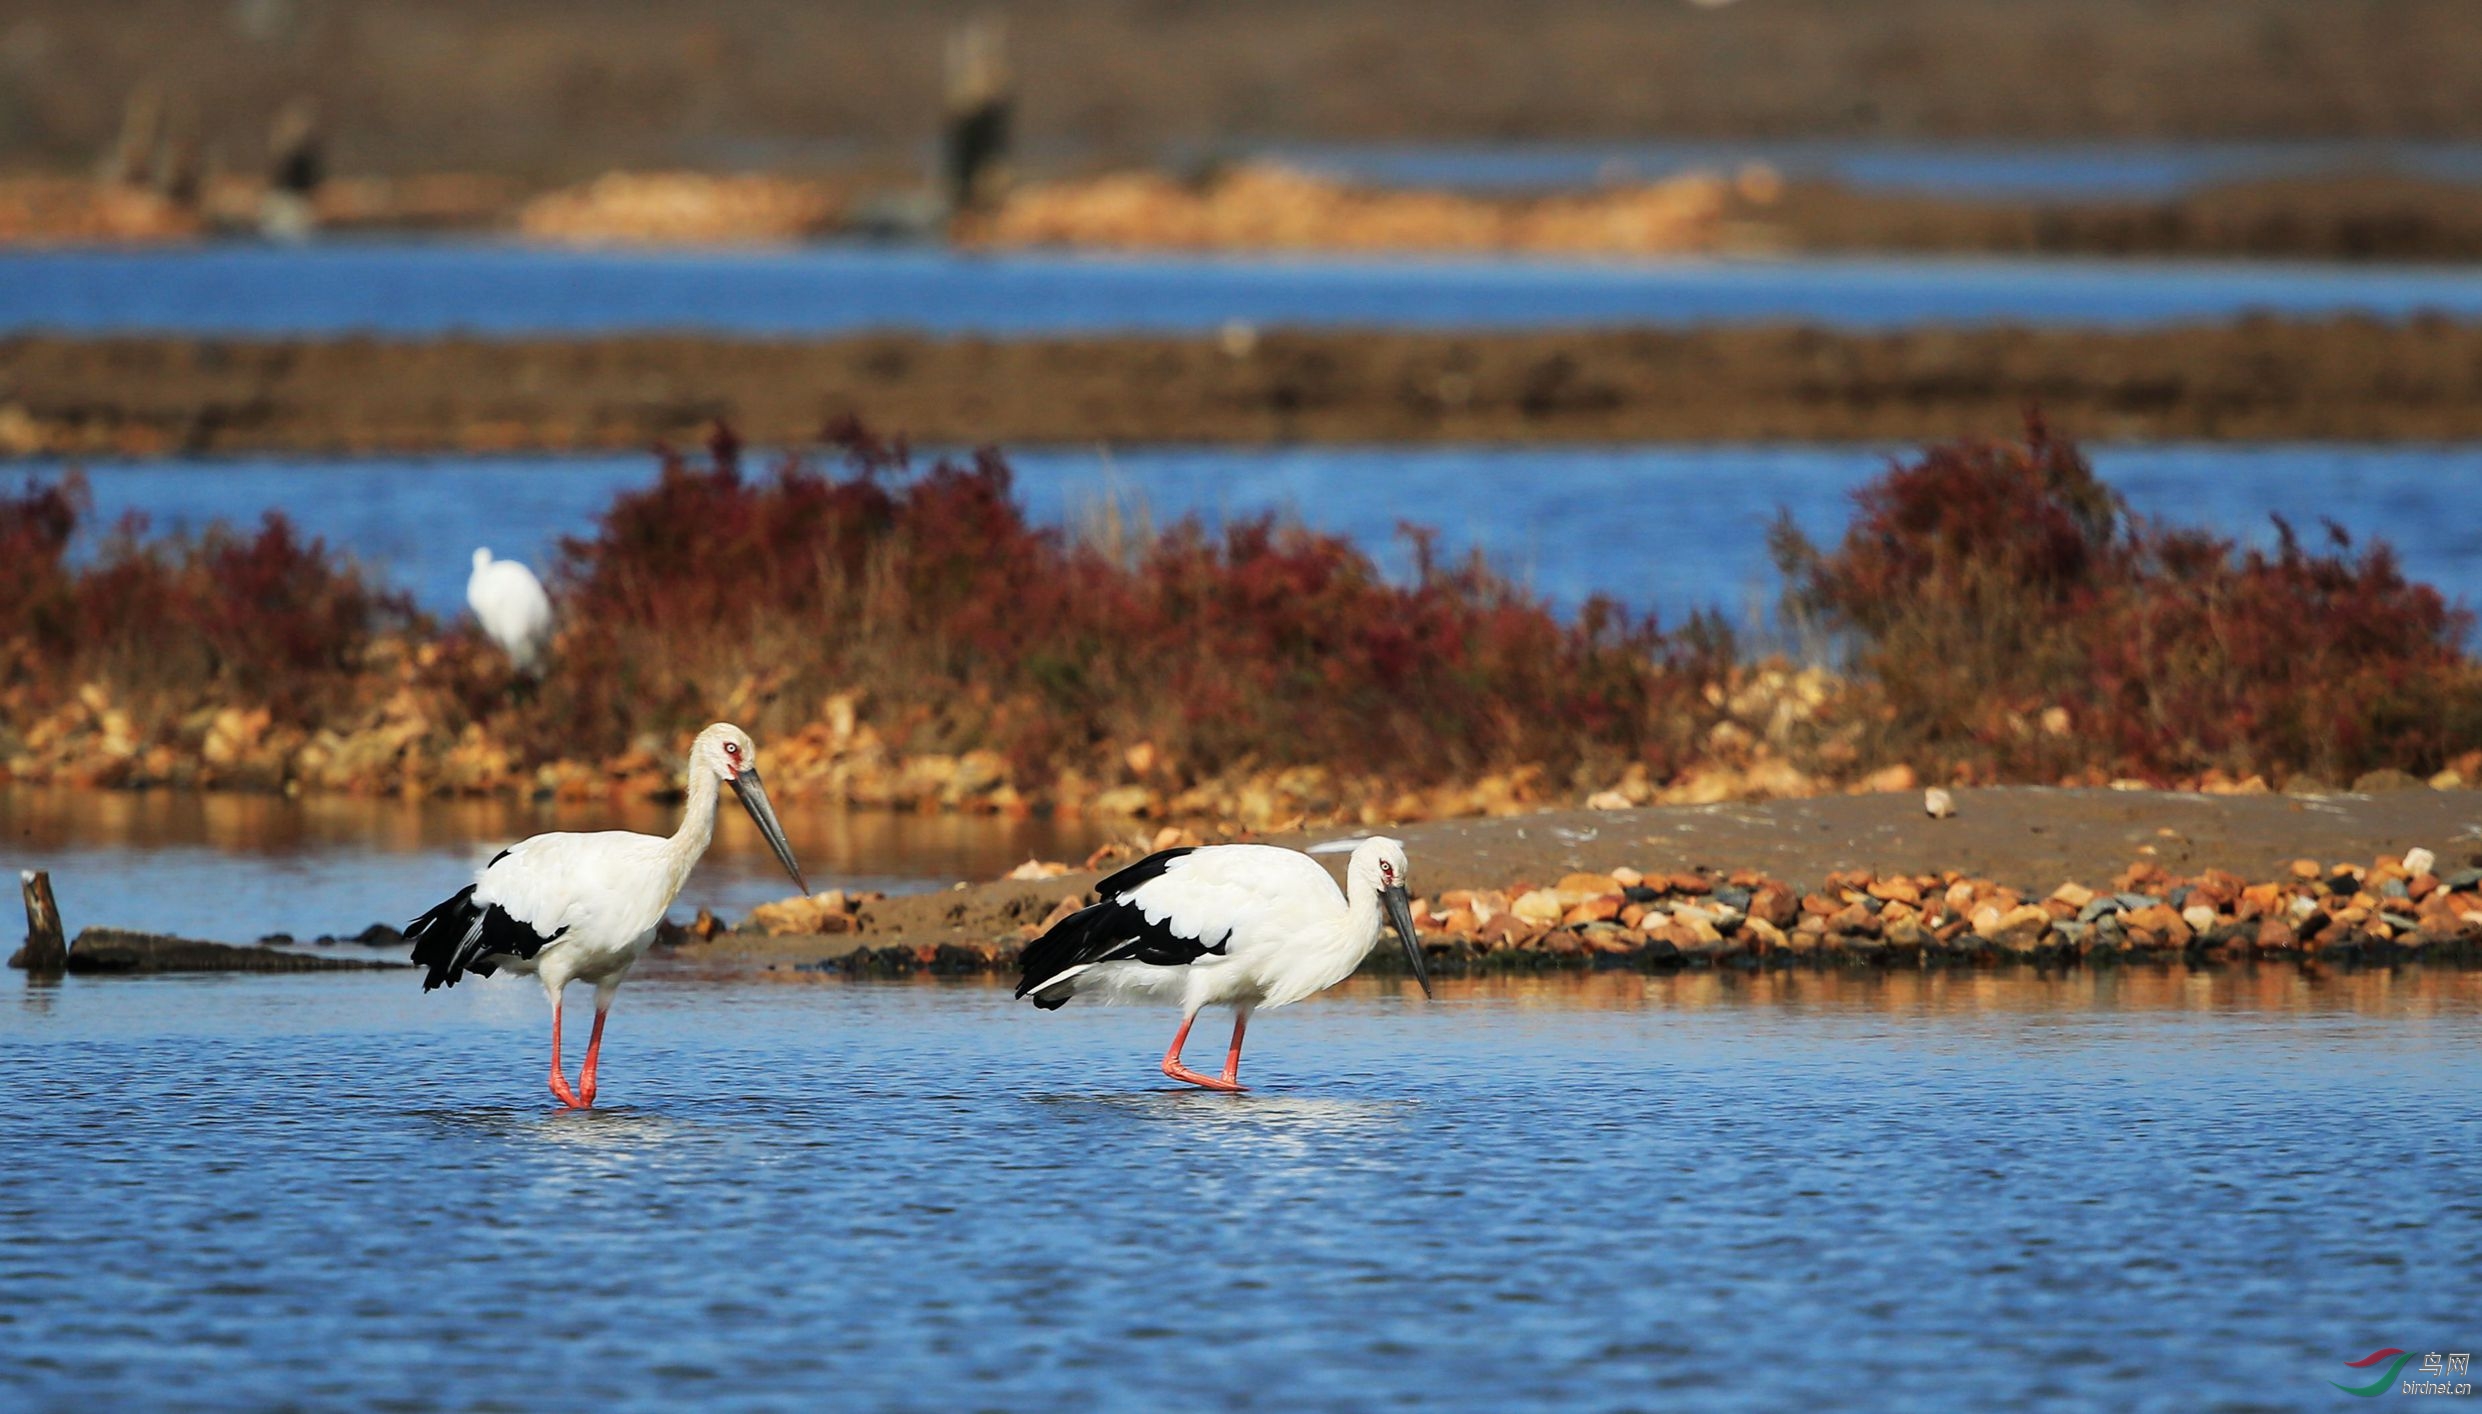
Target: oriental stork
509	602
570	907
1245	924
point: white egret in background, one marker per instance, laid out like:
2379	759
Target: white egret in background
510	604
572	907
1246	925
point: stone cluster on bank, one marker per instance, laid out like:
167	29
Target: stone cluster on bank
2386	911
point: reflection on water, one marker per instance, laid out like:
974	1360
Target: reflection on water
1952	1190
2274	988
238	866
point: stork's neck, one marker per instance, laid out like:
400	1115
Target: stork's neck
697	824
1362	921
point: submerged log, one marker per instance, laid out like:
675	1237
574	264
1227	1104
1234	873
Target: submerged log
44	950
103	950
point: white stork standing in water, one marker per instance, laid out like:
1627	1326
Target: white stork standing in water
1245	924
571	907
509	602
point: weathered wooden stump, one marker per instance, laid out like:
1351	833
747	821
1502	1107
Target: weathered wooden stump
45	949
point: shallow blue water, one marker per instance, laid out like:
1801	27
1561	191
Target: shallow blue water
2063	171
410	289
325	1191
1664	527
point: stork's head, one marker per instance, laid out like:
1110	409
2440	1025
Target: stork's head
726	753
1378	867
482	557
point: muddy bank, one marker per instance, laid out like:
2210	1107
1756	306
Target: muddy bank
2256	379
2024	874
569	88
2344	216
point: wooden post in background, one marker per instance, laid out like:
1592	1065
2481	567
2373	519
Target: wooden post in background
45	950
975	136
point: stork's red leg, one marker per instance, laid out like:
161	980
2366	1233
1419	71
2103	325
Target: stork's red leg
1232	1058
1172	1062
586	1077
560	1082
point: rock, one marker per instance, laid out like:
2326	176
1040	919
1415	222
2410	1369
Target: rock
1609	800
2098	908
2419	861
1627	877
380	935
2162	923
1938	804
2199	917
1775	904
2461	879
2307	869
1538	906
2020	928
2276	934
1575	889
1593	910
2131	903
1038	869
2386	779
2076	896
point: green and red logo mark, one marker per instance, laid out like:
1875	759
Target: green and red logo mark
2384	1382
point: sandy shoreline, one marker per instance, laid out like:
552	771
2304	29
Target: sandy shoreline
2026	840
2256	379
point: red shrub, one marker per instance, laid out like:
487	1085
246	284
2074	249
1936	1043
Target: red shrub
968	627
1987	582
261	618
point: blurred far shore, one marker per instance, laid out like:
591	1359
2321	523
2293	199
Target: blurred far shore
2279	128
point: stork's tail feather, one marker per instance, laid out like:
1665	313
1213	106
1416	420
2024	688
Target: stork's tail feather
460	936
444	940
1073	944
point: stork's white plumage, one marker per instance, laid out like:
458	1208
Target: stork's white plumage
583	907
1245	925
509	602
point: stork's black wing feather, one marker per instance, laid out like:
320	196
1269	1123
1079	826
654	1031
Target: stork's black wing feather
1114	929
1145	871
458	937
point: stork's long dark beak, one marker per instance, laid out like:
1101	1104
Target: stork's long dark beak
753	793
1400	913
